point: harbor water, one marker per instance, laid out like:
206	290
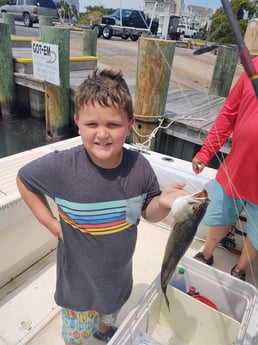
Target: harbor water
22	133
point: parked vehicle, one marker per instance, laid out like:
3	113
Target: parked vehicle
168	26
126	23
186	30
29	11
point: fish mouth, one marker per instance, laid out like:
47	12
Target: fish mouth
199	197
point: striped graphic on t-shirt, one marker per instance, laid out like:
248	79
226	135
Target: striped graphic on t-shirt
100	218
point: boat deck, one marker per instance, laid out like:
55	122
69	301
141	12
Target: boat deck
26	301
34	319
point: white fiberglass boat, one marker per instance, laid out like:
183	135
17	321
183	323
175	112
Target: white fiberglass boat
27	275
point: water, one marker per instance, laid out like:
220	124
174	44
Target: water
21	134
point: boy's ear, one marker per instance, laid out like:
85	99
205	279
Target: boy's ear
76	119
131	123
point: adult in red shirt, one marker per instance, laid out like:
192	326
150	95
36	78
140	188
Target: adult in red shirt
235	188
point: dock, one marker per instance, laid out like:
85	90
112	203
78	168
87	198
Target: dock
188	114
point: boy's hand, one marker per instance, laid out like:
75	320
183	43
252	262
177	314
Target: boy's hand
55	228
160	205
171	193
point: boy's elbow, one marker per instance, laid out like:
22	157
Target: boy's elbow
21	187
18	182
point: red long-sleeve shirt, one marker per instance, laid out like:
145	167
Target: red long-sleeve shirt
238	173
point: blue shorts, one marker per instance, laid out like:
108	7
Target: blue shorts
224	211
77	326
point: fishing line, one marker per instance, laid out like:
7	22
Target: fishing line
156	41
229	180
147	144
235	192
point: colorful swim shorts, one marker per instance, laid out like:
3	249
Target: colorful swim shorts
77	326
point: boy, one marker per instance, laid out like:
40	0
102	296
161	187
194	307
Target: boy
101	191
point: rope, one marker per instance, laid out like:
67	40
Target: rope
152	135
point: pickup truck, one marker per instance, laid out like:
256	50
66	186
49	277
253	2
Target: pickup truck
126	23
186	30
29	11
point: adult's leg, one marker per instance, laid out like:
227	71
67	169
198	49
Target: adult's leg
214	236
250	248
249	254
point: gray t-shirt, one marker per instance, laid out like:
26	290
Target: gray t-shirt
99	211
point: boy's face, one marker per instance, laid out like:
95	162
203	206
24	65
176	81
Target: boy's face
103	131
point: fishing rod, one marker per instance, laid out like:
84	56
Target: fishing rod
243	51
212	47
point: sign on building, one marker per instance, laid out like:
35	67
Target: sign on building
46	62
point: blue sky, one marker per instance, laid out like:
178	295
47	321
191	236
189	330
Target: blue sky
139	4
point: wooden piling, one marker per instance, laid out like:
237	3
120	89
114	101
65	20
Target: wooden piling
224	70
89	42
7	85
57	98
9	19
155	58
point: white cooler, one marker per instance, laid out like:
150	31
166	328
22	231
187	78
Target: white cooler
191	321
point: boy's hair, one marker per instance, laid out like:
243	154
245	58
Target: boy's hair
107	88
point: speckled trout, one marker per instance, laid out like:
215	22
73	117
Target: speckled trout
187	212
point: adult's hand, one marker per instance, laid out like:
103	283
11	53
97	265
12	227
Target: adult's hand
197	165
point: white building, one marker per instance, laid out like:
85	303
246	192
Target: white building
196	16
163	7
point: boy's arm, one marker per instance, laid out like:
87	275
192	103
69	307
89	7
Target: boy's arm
40	208
159	207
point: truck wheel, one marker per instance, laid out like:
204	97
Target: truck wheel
124	36
107	32
27	20
98	29
134	37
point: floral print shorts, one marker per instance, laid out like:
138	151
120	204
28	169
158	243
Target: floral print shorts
78	326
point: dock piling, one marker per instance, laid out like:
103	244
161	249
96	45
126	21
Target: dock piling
9	19
224	70
155	58
7	84
57	98
89	42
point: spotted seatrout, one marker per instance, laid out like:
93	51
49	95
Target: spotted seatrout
187	211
